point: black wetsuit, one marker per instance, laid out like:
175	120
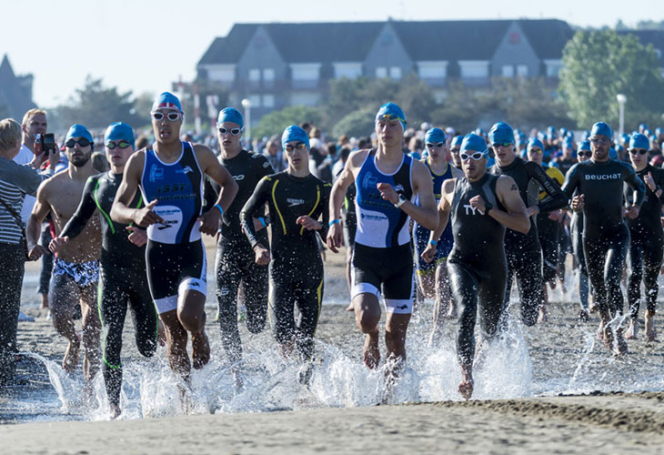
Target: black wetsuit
348	215
576	233
122	278
296	266
477	265
524	254
605	234
236	270
645	252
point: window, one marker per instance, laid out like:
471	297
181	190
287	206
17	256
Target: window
268	101
254	75
553	67
255	100
432	70
508	71
522	70
221	73
395	72
347	69
305	71
268	74
474	69
381	72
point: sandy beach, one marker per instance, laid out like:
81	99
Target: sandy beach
549	389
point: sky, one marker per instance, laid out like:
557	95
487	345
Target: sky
144	45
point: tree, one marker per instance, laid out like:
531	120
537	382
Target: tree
356	124
597	66
96	106
276	122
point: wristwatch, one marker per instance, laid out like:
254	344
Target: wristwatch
487	206
402	199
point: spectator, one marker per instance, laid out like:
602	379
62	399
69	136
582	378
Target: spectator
274	155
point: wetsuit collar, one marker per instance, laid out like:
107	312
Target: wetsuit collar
509	166
481	181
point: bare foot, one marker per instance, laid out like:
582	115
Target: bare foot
70	362
543	315
44	302
600	330
371	351
115	411
350	307
466	384
200	350
607	336
621	344
651	333
632	329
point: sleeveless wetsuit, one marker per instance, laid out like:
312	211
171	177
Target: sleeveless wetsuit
235	268
296	266
645	252
175	254
421	234
382	259
123	279
524	254
605	234
477	265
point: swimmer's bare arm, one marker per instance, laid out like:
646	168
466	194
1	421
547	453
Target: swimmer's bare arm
228	188
121	212
444	208
33	225
426	213
508	193
337	195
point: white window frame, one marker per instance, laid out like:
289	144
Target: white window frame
507	71
254	75
305	71
553	67
381	72
522	70
268	74
431	69
220	73
474	69
396	73
350	70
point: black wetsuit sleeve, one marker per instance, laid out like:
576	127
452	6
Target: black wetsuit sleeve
252	207
327	188
264	166
571	182
637	185
85	209
210	194
555	198
659	180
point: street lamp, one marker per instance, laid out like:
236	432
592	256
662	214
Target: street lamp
622	99
246	104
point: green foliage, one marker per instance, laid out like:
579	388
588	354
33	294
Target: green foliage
276	122
356	124
96	106
597	66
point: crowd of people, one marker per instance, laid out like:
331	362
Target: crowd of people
466	214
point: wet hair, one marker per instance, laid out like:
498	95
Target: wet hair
99	162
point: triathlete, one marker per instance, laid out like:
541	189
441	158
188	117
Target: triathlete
576	233
297	201
524	255
387	181
170	175
432	276
455	149
480	205
239	278
548	228
122	264
599	183
76	267
645	251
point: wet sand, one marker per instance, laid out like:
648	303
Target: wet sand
573	401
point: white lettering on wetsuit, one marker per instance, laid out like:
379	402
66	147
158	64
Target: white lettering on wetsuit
603	176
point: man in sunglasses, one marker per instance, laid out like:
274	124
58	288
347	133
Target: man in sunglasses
170	174
576	234
387	182
432	275
599	186
76	267
235	267
455	149
298	204
548	227
647	239
480	205
122	273
524	254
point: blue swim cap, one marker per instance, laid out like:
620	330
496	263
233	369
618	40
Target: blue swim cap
480	132
613	154
391	109
551	131
475	143
602	129
434	135
534	142
456	140
585	135
569	142
521	138
643	126
166	101
294	133
563	132
119	131
501	133
231	115
658	131
585	147
78	131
